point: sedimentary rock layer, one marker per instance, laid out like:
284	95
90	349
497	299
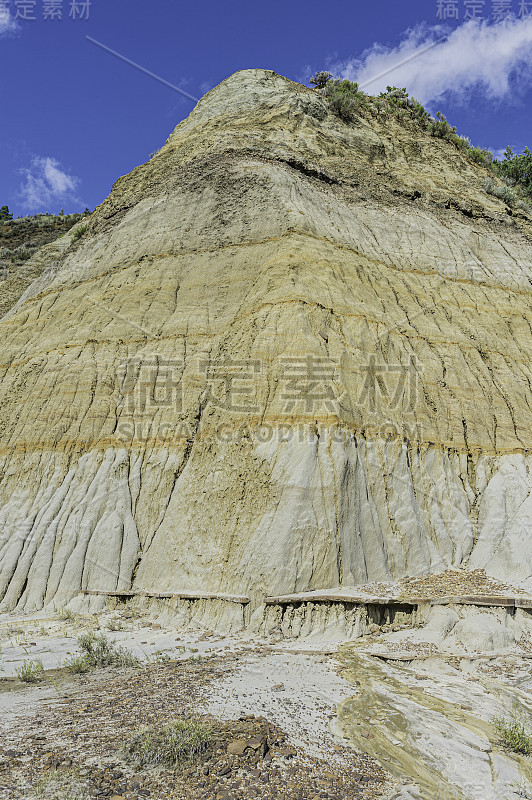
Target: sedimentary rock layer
288	354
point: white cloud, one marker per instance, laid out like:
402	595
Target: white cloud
7	23
46	184
205	87
498	152
491	59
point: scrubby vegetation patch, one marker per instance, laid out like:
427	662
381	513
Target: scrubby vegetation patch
347	100
169	745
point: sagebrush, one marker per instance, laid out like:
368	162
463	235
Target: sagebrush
96	650
346	100
168	745
31	671
514	732
79	232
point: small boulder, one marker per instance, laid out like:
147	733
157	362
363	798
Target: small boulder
256	743
237	747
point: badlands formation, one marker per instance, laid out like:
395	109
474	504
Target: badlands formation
286	354
278	381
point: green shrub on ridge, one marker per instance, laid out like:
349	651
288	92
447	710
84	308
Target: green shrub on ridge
347	100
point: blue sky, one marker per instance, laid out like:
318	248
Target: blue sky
74	118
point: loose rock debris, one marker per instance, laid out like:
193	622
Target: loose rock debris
73	748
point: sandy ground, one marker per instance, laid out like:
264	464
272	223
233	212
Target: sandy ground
403	712
288	688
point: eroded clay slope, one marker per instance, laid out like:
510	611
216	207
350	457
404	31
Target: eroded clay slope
334	321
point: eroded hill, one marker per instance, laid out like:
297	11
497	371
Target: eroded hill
288	353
